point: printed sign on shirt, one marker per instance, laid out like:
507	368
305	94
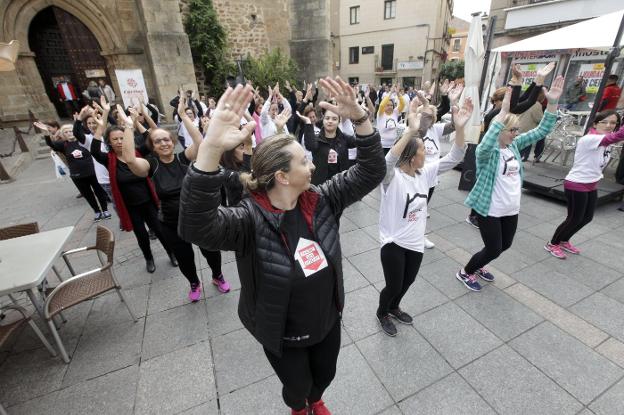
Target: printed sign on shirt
310	256
332	157
77	154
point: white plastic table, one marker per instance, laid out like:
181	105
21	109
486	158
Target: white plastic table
25	261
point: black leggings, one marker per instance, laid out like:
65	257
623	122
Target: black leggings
140	215
497	235
400	267
87	186
581	207
305	372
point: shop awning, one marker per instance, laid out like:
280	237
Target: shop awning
596	33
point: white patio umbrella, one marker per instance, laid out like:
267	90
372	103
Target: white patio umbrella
473	65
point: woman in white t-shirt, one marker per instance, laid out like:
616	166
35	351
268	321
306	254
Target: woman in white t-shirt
388	119
593	152
403	211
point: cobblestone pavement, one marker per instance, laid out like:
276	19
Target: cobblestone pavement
546	338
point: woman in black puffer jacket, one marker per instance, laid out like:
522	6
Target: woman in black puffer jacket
286	239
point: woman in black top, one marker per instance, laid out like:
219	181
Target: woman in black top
286	238
134	196
330	148
81	169
167	170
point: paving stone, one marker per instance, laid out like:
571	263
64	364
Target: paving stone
449	396
613	238
441	244
223	313
393	410
208	408
41	405
439	200
421	297
455	335
105	349
372	231
230	273
363	217
265	394
347	225
612	350
456	211
356	242
109	310
174	329
132	273
603	253
29	374
511	385
603	312
355	388
526	221
167	294
239	361
352	278
462	236
431	255
615	290
174	382
405	363
529	245
438	221
369	265
513	260
441	274
500	313
112	393
359	314
611	403
557	287
570	363
584	270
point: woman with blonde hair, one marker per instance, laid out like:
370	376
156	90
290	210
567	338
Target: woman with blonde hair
496	194
285	236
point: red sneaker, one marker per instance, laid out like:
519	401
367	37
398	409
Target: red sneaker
319	408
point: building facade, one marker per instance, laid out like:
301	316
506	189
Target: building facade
459	35
79	41
390	41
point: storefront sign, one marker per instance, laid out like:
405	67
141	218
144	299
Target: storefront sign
95	73
410	65
529	73
593	73
131	85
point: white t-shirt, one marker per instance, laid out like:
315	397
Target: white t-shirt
403	210
432	142
267	124
183	132
101	172
590	158
507	186
346	126
387	125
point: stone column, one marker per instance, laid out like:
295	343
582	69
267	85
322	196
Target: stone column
167	48
310	45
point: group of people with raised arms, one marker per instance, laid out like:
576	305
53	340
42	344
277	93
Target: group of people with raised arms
276	196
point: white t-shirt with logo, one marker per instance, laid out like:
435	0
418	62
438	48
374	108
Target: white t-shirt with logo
507	186
431	140
403	210
101	172
590	159
387	126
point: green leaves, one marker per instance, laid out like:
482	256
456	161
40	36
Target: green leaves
452	70
270	68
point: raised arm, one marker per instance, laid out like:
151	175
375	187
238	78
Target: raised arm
548	120
490	139
310	142
137	165
191	151
54	145
461	116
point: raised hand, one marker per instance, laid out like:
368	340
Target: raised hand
346	101
505	106
463	114
104	104
205	121
101	122
42	126
424	101
455	93
555	91
282	118
134	114
543	73
303	118
125	120
445	87
287	85
182	106
516	75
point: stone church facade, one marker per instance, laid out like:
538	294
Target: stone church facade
93	38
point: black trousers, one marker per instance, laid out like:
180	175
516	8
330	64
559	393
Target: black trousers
581	206
183	252
537	152
497	235
140	215
400	267
305	372
88	186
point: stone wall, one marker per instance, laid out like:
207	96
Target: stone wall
310	44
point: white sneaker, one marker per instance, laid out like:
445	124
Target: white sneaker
428	243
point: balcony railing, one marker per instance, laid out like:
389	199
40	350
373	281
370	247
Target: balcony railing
385	69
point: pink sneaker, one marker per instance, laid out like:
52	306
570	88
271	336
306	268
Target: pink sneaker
195	293
567	246
221	283
555	250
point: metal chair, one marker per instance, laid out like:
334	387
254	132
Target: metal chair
9	325
86	285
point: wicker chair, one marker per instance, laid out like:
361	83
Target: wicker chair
7	329
86	285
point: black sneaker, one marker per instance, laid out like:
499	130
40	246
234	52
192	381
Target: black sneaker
484	275
173	260
471	220
150	266
387	325
152	235
401	316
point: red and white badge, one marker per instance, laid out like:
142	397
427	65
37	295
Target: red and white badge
77	154
310	256
332	157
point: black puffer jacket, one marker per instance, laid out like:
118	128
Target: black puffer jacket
252	230
319	146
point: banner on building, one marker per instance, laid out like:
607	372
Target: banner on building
131	85
411	65
529	73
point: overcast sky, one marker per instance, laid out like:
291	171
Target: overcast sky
464	8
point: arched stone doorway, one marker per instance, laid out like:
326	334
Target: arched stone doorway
66	53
